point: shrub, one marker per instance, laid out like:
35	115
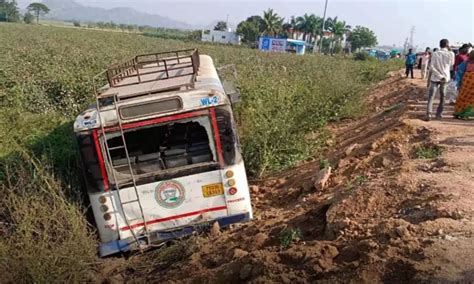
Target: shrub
290	235
428	152
362	56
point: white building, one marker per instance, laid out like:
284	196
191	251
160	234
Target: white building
228	37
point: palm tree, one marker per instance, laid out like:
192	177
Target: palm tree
338	29
317	29
272	23
306	24
292	27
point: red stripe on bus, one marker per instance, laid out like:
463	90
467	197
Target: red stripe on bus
173	217
157	120
100	157
215	128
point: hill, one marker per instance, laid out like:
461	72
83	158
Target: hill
68	10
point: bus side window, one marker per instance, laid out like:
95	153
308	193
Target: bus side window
227	134
90	163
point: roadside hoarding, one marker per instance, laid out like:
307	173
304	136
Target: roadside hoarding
272	44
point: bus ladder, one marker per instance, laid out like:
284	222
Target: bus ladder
117	184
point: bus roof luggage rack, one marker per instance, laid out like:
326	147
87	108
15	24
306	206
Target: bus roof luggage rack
150	73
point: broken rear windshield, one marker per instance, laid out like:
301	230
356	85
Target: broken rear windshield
156	148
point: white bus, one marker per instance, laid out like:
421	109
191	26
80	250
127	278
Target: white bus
160	152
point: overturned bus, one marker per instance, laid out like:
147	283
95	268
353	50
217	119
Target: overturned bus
160	152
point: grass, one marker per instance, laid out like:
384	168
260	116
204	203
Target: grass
45	77
290	235
428	152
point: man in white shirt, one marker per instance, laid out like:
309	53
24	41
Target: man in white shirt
440	66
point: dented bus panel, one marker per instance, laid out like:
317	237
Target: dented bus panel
160	152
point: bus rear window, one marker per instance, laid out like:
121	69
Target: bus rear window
157	148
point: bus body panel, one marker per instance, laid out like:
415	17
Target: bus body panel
191	208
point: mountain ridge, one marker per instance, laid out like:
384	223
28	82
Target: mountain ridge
69	10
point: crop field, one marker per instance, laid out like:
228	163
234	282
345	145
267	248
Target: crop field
45	80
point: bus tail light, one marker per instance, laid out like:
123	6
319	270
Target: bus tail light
229	174
107	216
232	191
102	199
231	182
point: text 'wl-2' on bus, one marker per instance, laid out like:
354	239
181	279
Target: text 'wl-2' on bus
160	152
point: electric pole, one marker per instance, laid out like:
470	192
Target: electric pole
227	23
322	28
412	33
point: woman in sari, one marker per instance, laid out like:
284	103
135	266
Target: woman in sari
464	107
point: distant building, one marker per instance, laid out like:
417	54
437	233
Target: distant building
227	37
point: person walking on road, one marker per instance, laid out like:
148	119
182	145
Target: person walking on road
410	62
464	107
425	59
440	66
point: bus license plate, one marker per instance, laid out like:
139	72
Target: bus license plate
214	189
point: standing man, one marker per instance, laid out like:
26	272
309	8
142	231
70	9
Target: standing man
425	59
409	62
440	66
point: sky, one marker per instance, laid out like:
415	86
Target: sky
391	20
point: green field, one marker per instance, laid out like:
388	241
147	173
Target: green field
45	80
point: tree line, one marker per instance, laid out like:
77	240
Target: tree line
9	11
309	28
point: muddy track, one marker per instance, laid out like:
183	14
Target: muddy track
398	207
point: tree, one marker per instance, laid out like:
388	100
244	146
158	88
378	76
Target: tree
28	18
338	29
272	23
38	9
221	26
132	28
309	25
9	11
77	24
250	29
291	28
362	37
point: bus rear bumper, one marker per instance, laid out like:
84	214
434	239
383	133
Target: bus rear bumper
128	244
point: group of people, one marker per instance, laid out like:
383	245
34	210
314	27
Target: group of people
441	67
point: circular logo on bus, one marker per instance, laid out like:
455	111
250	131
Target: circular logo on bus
169	194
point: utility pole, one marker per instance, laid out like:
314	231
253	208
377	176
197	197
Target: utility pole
227	23
322	28
412	32
405	46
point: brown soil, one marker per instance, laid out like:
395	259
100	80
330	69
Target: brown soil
386	215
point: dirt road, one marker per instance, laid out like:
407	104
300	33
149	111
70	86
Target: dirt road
398	207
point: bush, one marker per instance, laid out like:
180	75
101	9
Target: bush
76	24
28	18
362	56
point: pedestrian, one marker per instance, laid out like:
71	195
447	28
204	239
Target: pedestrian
425	59
440	66
409	62
462	56
464	107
